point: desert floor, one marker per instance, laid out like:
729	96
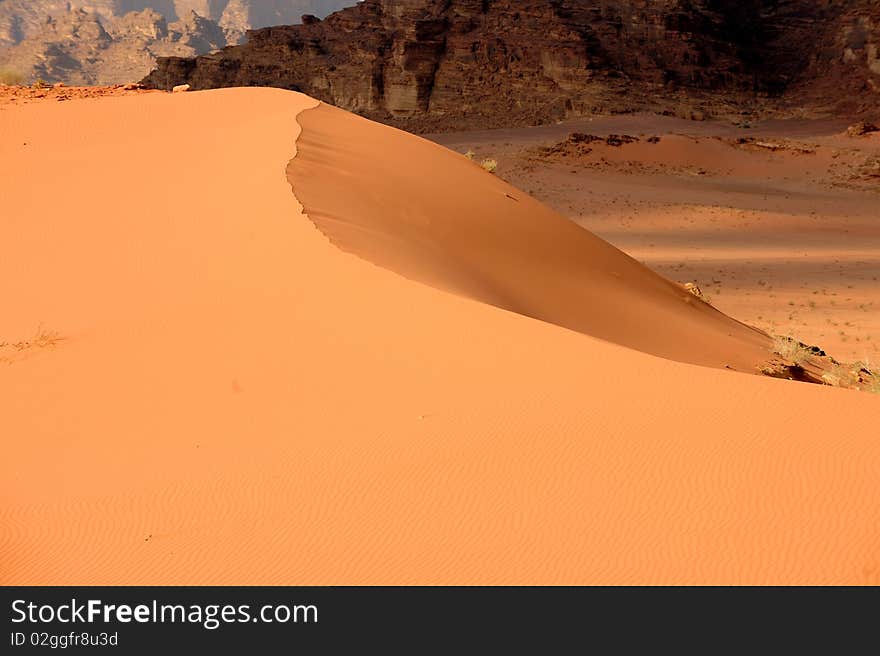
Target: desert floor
781	231
251	339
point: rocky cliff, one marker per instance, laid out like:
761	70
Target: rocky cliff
110	41
21	19
438	63
79	48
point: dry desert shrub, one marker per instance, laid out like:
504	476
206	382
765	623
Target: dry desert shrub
867	366
46	338
791	350
469	155
10	352
489	165
695	290
42	339
834	377
11	77
840	376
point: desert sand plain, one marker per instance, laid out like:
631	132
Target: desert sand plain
775	221
252	339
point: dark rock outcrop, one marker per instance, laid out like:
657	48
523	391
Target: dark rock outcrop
432	64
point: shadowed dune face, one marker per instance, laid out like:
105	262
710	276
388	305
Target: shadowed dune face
433	216
775	221
218	395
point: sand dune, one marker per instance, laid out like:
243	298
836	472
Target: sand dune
776	222
431	215
218	394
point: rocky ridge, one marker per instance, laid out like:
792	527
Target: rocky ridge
79	48
113	41
435	64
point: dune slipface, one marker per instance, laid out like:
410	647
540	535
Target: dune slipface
217	394
430	214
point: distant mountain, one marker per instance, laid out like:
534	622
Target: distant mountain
111	41
437	64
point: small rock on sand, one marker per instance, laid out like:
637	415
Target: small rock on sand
180	88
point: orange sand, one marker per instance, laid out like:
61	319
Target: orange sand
784	238
431	215
230	398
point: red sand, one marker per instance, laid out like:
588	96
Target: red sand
425	212
784	238
231	399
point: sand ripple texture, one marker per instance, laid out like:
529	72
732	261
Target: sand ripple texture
236	400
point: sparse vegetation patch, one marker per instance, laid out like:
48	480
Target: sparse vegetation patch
792	351
10	76
797	361
42	339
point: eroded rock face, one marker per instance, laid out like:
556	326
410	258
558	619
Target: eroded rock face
20	19
67	40
505	62
78	47
843	68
